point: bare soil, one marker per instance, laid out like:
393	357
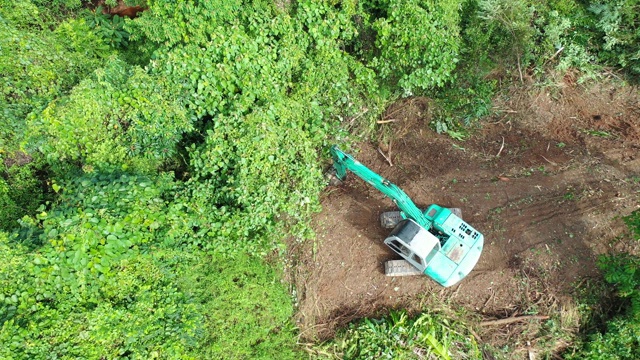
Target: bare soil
546	180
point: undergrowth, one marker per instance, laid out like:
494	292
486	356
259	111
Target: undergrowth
616	334
400	335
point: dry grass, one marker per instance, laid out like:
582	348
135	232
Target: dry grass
545	335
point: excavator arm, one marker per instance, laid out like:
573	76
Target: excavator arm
343	162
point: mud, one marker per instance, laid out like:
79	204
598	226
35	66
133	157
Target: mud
546	179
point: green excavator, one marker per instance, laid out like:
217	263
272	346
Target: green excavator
436	242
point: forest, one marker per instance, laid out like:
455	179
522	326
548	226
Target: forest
161	161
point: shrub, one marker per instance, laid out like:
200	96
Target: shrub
416	42
399	336
105	282
56	60
117	115
621	338
7	207
246	309
618	27
536	36
21	190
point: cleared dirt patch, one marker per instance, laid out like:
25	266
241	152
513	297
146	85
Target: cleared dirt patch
545	180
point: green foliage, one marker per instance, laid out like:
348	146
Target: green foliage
113	31
245	306
119	114
620	342
39	64
101	220
234	59
59	5
621	339
21	189
534	36
20	14
563	38
416	42
152	319
618	23
633	223
399	336
105	282
624	272
259	167
267	88
561	34
7	206
469	97
110	29
510	20
460	107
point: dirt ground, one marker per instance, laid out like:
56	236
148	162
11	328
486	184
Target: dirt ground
546	180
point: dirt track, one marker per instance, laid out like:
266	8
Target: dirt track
545	180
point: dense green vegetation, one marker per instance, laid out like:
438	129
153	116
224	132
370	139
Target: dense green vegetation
151	167
620	337
399	336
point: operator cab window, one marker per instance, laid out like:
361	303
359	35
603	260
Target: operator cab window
399	247
417	259
431	255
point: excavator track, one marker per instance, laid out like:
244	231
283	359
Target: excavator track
400	268
390	219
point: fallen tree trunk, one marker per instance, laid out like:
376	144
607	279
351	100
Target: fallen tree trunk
121	9
513	319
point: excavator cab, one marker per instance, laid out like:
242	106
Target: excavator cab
414	243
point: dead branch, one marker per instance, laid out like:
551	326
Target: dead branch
549	161
386	121
366	110
513	319
405	105
501	147
487	302
520	70
385	156
554	55
478	338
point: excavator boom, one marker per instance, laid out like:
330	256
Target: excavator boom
343	162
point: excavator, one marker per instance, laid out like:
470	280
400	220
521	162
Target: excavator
435	242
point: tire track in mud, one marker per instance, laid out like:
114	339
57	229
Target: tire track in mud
539	211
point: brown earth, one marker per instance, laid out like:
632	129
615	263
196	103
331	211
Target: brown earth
545	179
